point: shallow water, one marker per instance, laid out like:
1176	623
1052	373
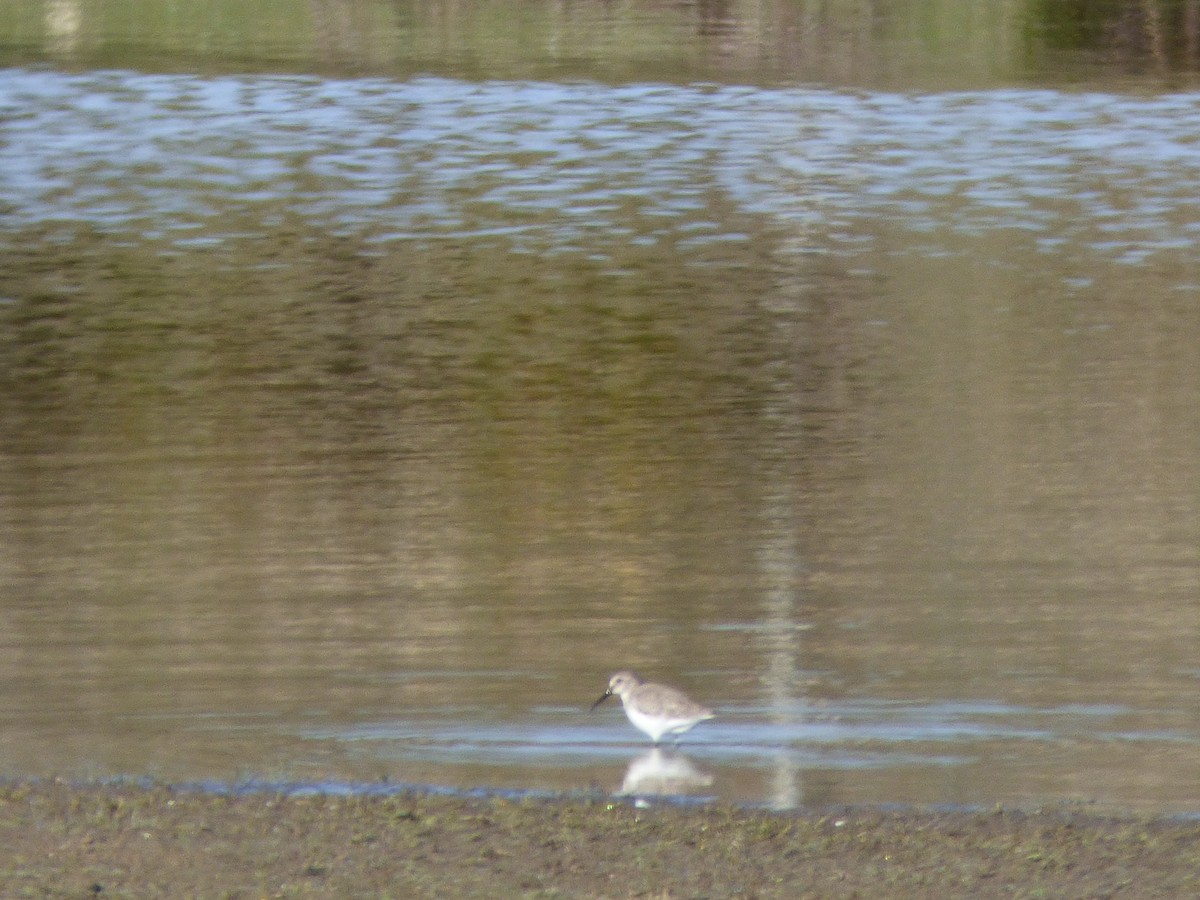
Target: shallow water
356	428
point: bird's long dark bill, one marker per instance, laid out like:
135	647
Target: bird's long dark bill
603	697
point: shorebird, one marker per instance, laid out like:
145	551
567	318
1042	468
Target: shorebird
654	708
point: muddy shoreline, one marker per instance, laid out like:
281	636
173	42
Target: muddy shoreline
126	840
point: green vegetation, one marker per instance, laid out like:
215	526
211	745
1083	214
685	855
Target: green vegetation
904	43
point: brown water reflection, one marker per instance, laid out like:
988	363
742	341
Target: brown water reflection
249	528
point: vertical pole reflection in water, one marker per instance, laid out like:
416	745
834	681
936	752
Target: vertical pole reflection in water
778	556
780	565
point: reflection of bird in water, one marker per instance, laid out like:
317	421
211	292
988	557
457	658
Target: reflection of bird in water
654	708
659	773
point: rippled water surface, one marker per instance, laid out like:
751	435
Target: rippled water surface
357	428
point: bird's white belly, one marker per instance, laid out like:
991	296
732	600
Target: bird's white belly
657	726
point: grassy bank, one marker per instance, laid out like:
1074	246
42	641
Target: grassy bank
126	841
